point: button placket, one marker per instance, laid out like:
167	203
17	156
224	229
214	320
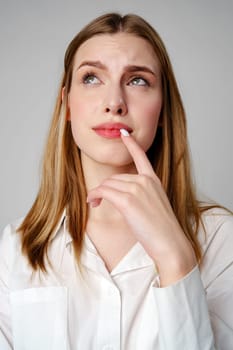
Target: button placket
109	324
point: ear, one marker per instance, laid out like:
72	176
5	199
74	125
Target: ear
62	98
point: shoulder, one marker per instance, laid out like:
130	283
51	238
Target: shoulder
10	242
10	231
216	238
217	224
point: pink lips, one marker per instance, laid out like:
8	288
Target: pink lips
111	130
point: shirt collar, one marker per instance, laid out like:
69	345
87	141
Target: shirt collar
61	228
136	258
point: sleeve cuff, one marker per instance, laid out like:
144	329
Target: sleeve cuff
183	314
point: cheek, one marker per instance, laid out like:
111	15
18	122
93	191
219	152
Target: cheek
76	107
81	112
78	111
148	104
149	122
152	114
82	106
77	114
151	111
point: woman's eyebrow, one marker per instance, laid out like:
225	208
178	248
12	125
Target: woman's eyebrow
96	64
136	68
128	68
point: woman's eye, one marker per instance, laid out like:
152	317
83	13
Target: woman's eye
139	81
90	79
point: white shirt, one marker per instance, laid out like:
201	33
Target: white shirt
121	310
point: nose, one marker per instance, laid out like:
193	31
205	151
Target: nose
115	103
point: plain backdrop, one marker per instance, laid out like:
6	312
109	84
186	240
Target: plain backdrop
33	38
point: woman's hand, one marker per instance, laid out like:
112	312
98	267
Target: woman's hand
143	203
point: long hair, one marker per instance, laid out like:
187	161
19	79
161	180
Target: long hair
62	183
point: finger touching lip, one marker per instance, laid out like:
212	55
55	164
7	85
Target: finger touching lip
111	130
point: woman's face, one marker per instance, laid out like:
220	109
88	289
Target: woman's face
116	83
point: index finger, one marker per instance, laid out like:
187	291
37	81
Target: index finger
140	159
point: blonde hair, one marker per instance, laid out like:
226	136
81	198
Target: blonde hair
62	184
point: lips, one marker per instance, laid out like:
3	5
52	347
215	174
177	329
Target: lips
111	130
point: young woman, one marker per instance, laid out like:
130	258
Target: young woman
116	251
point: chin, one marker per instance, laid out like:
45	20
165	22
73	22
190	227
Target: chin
117	162
116	159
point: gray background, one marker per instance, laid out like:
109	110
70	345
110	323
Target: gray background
33	38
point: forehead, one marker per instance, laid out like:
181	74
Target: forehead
122	48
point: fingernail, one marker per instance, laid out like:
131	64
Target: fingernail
95	203
124	132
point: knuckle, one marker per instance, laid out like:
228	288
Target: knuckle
135	189
127	201
145	180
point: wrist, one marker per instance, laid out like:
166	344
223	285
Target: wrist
174	268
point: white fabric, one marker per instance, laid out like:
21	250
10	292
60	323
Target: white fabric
124	310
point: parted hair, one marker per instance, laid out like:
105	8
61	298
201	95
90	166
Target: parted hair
62	185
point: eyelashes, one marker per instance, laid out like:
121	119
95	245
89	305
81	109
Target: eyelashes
90	78
139	81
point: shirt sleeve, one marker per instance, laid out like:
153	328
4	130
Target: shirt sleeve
217	275
184	321
5	328
196	313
